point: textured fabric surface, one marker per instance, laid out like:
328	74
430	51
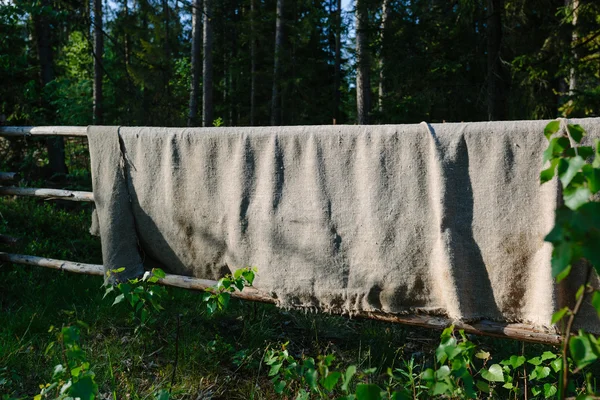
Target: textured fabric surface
446	219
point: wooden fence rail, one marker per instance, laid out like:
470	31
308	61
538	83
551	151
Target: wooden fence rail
48	194
43	131
521	332
8	176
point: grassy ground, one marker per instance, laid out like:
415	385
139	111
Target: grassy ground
219	356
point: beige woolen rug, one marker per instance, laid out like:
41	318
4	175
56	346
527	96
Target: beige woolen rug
445	219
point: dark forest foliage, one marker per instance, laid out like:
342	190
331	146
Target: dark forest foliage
434	58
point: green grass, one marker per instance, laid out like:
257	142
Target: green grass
219	356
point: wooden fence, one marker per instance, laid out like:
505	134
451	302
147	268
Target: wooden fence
521	332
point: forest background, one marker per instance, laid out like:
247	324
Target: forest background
293	62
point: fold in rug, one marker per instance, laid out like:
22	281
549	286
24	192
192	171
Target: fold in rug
445	219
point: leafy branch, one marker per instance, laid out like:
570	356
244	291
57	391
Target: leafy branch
576	234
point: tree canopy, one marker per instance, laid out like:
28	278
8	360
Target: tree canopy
433	60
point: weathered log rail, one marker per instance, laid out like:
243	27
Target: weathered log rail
8	176
521	332
48	194
516	331
43	131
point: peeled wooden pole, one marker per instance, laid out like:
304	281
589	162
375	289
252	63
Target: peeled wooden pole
49	194
8	176
43	131
521	332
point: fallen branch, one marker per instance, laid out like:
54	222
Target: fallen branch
521	332
43	131
48	194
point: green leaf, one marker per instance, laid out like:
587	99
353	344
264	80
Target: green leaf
514	361
575	197
551	128
249	276
365	391
557	316
85	388
540	372
596	163
442	372
428	375
535	361
493	374
548	355
275	369
592	175
331	380
58	370
549	390
561	258
159	273
576	132
311	377
350	371
223	299
118	299
555	148
556	364
547	174
584	151
279	387
483	386
440	388
447	349
567	169
582	350
596	301
237	273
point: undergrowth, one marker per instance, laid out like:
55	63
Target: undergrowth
60	339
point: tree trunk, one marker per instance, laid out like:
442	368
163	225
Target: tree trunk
55	145
127	39
98	52
338	59
275	96
574	38
385	15
167	50
195	85
252	62
207	67
496	96
363	81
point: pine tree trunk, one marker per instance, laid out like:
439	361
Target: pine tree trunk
207	67
338	59
167	50
574	38
195	56
363	82
275	96
252	62
385	15
98	53
496	93
55	145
